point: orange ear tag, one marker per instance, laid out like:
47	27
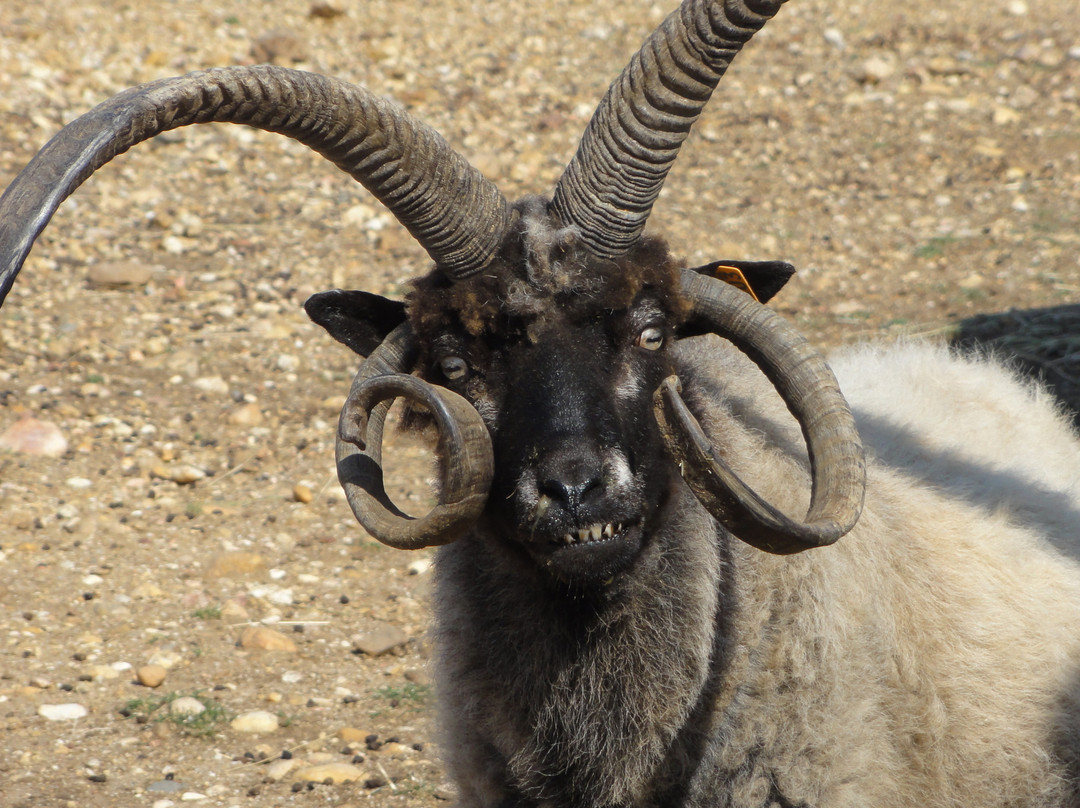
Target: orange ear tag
733	277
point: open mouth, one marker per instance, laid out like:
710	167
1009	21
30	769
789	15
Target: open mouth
591	553
591	534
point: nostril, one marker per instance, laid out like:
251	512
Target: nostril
570	476
571	494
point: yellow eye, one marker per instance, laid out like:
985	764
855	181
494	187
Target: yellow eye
651	338
453	367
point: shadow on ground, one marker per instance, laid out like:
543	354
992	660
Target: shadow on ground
1044	343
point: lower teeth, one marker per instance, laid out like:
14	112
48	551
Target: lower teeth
593	534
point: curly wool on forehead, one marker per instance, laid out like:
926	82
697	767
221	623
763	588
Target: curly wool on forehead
543	272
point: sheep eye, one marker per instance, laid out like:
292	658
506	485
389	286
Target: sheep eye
651	338
453	367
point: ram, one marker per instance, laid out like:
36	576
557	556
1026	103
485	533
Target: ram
627	613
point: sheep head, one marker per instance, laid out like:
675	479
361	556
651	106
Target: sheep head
560	363
559	352
540	340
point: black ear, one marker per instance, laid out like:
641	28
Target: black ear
763	278
358	319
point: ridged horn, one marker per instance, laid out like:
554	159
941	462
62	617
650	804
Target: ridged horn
610	185
464	450
457	215
811	392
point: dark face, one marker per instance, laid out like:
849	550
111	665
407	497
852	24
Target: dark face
579	466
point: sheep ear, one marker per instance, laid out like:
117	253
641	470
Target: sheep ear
763	279
357	319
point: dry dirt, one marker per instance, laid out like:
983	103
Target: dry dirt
918	162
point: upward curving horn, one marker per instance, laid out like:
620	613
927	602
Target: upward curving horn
610	185
456	214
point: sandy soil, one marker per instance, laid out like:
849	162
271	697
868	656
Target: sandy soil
919	164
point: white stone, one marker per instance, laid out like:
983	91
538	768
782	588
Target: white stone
186	705
876	69
31	436
256	721
334	772
165	657
279	769
211	384
62	712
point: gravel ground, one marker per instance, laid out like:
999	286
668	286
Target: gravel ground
919	164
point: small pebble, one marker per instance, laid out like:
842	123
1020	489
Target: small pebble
279	46
186	705
324	10
165	657
379	640
246	415
151	675
62	712
417	677
875	70
330	772
236	563
352	734
266	639
120	273
102	673
166	787
211	384
256	721
31	436
186	475
279	769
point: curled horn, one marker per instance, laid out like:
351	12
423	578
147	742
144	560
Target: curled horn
610	185
457	215
464	450
811	392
